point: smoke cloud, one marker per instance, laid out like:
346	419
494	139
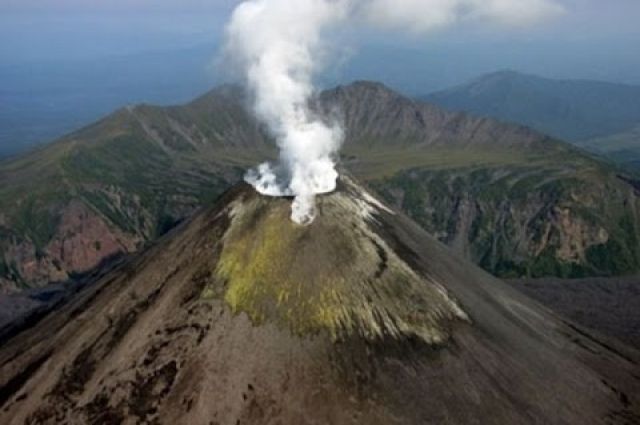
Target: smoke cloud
279	46
278	43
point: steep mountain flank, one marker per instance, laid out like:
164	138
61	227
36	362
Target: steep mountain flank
526	220
241	316
377	117
132	176
514	201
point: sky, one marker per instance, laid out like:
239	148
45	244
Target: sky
65	63
592	39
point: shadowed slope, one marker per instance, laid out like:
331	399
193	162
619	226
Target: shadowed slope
241	317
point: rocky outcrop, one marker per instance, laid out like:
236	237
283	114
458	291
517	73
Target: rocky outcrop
375	116
518	222
82	241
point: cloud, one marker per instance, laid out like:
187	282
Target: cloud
423	16
279	44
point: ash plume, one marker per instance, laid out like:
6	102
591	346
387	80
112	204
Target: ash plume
279	46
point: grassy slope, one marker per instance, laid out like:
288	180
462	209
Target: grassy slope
143	156
144	168
528	219
516	203
622	147
539	211
134	169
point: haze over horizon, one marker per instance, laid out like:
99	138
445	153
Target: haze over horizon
73	59
71	30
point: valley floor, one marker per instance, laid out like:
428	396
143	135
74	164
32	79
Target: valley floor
609	306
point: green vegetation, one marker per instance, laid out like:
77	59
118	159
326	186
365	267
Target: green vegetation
36	222
516	203
315	278
528	219
611	257
383	163
623	148
547	263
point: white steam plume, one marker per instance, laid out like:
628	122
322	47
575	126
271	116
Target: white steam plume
279	43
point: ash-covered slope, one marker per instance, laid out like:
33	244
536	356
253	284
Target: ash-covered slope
241	317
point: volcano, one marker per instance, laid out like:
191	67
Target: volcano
240	316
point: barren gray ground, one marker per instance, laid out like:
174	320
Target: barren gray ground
207	327
610	306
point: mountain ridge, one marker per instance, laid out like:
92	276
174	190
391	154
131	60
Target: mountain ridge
135	174
583	112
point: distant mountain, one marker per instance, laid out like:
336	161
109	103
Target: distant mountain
571	110
240	316
587	113
513	200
